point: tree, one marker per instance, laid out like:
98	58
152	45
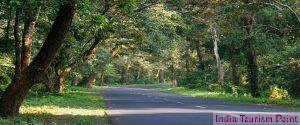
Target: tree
15	93
17	45
216	51
192	43
248	23
31	15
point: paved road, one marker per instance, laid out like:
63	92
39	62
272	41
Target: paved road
141	106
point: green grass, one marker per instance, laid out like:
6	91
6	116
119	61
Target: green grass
77	106
290	103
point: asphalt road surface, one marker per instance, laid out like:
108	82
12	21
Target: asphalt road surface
140	105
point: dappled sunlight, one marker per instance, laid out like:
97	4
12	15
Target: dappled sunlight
56	110
71	100
77	106
147	62
80	106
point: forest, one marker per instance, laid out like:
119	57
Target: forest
247	48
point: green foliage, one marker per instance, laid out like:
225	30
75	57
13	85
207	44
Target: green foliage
214	88
278	93
229	88
236	90
127	6
147	80
242	91
167	40
110	79
4	80
195	79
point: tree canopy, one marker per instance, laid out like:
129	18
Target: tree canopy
248	47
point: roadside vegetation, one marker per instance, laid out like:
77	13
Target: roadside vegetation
76	106
244	48
205	93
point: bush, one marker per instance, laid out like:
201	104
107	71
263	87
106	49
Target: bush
195	79
112	78
278	93
236	90
242	91
214	88
146	80
229	88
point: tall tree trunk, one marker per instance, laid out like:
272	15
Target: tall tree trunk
61	78
161	76
15	93
88	53
17	45
173	77
49	83
59	86
85	56
88	81
17	77
235	78
252	69
138	74
124	74
199	56
102	80
187	61
29	25
252	63
74	81
216	51
91	80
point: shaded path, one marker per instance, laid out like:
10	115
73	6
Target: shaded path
141	106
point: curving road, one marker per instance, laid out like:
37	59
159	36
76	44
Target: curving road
140	105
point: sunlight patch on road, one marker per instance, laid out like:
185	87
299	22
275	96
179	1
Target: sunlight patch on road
180	102
198	106
182	111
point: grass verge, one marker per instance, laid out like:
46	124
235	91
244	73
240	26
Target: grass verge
290	103
77	106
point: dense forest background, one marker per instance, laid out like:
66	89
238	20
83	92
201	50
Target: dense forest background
244	47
